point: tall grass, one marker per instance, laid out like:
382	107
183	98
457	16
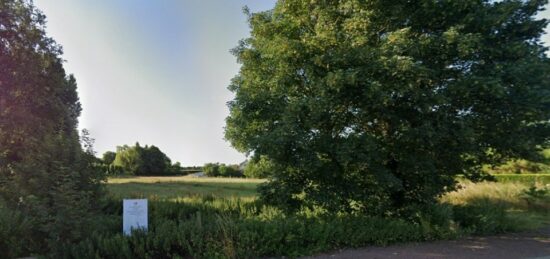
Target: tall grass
498	192
511	195
500	207
528	179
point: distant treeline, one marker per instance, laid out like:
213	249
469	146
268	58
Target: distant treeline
151	161
187	171
138	160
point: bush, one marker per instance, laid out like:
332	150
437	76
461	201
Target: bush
537	198
484	216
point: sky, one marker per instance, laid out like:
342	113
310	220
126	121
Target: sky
156	72
153	71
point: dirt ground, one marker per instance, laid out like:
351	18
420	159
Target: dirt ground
535	244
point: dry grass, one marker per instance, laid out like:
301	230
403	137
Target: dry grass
523	211
512	196
190	179
178	187
468	192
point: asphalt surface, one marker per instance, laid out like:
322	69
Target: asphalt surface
534	244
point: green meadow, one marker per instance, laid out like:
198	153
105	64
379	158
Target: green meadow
174	187
181	186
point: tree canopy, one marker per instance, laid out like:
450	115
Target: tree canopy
148	160
375	105
108	157
44	172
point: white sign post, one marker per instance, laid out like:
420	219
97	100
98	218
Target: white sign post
134	215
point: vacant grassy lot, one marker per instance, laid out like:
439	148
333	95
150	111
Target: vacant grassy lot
181	186
509	187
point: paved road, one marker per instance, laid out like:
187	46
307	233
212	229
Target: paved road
534	244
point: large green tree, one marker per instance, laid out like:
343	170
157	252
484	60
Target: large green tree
108	157
148	160
44	172
373	105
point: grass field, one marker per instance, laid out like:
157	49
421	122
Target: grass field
181	186
508	193
508	187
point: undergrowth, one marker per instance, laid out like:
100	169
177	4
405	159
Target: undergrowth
216	227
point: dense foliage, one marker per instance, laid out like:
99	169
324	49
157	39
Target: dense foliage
210	227
108	157
258	167
222	170
47	180
375	105
138	160
523	166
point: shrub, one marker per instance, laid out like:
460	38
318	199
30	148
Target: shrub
483	217
537	198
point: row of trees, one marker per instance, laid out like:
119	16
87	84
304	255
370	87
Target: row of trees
150	160
257	167
138	160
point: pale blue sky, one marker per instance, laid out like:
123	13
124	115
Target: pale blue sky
155	71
